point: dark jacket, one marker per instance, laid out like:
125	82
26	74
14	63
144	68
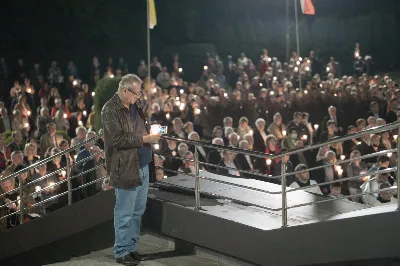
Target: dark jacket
121	144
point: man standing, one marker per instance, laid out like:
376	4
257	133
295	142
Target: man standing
128	153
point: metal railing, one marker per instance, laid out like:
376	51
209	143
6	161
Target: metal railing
67	170
197	173
284	174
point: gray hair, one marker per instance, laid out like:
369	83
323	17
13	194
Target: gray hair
128	80
276	115
187	153
259	120
182	145
90	134
242	143
215	140
191	134
354	154
228	118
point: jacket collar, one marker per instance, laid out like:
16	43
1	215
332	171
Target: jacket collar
117	101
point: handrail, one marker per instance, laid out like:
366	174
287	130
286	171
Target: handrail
364	132
50	158
50	174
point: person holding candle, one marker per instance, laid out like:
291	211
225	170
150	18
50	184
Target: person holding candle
356	168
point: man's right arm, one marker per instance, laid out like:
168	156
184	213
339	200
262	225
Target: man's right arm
115	136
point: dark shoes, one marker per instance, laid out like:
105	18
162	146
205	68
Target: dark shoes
138	256
127	260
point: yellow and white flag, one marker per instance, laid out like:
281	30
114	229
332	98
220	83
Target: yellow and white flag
152	14
307	7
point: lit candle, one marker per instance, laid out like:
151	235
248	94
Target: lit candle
304	137
340	172
181	91
84	113
284	132
177	98
395	137
63	172
342	157
316	126
197	111
75	157
298	63
272	93
389	154
358	143
168	116
75	82
156	146
327	69
80	123
307	68
28	113
65	115
251	132
269	161
111	76
300	59
177	103
296	69
261	84
37	188
26	125
274	78
93	94
205	67
305	91
180	69
173	153
335	95
154	90
226	95
165	176
29	90
269	59
308	61
182	106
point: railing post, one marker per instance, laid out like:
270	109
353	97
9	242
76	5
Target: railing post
398	172
69	184
197	179
284	199
21	201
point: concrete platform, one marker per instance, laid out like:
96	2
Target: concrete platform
259	205
162	254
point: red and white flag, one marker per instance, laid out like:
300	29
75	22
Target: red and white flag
307	7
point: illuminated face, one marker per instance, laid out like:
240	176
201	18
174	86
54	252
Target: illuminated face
8	185
52	131
17	159
336	191
132	95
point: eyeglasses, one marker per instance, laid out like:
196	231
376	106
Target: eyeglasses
137	94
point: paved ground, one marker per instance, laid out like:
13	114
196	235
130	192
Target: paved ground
162	254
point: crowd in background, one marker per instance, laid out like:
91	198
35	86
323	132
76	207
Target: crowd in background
264	105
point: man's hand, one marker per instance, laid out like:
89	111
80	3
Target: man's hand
152	138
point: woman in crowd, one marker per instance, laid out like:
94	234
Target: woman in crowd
260	137
354	169
277	128
60	121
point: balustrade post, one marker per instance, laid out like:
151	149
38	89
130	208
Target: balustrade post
284	199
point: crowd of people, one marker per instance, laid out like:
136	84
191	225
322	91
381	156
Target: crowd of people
268	107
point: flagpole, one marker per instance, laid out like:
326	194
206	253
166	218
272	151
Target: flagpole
148	56
298	41
287	32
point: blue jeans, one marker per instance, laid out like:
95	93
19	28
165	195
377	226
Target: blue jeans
129	208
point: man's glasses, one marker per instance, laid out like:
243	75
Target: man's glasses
137	94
